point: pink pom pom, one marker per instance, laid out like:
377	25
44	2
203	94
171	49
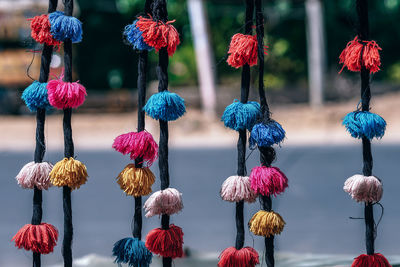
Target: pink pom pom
168	201
364	188
268	180
35	174
65	94
138	145
237	188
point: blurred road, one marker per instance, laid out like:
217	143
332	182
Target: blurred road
315	207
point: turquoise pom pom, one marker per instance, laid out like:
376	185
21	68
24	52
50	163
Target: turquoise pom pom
266	134
134	36
364	124
239	116
64	27
165	106
35	96
133	252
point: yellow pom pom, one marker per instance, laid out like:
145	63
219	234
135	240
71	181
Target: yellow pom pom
69	172
136	181
266	223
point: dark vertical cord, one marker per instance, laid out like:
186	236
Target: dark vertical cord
68	147
160	13
241	144
40	138
363	34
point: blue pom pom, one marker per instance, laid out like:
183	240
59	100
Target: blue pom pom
133	252
35	96
264	135
239	116
364	124
165	106
134	36
65	27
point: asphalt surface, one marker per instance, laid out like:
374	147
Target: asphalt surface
315	207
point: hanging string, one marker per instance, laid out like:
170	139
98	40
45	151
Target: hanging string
363	34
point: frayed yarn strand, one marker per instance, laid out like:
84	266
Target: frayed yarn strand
167	201
158	34
65	27
165	106
136	181
166	243
63	95
134	36
242	50
266	134
244	257
140	145
35	96
69	172
133	252
35	174
362	188
40	238
268	180
266	223
40	30
375	260
364	124
351	56
239	116
237	188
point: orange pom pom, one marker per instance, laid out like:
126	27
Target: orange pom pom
242	50
166	243
40	30
40	238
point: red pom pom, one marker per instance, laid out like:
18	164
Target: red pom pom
40	30
166	243
245	257
37	238
351	56
65	94
159	34
375	260
242	50
138	145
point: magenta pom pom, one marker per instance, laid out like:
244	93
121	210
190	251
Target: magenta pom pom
268	180
35	174
364	188
65	94
168	201
138	145
237	188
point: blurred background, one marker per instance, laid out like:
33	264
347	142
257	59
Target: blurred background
306	93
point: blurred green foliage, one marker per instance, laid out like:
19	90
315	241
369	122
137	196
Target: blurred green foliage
104	61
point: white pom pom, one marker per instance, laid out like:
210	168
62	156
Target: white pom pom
35	174
237	188
168	201
364	188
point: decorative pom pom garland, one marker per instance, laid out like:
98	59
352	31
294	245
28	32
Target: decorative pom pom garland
64	95
41	238
35	96
35	175
362	188
133	252
268	181
363	55
134	37
136	181
266	134
65	27
241	116
244	257
140	146
364	124
242	50
167	201
266	223
165	106
40	30
69	172
237	188
166	242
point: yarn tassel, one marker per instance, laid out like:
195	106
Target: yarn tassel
65	27
266	134
136	181
268	180
133	252
40	30
167	201
364	124
63	95
134	36
241	116
35	96
362	188
35	175
165	106
375	260
69	172
166	243
40	238
244	257
266	223
237	188
242	50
